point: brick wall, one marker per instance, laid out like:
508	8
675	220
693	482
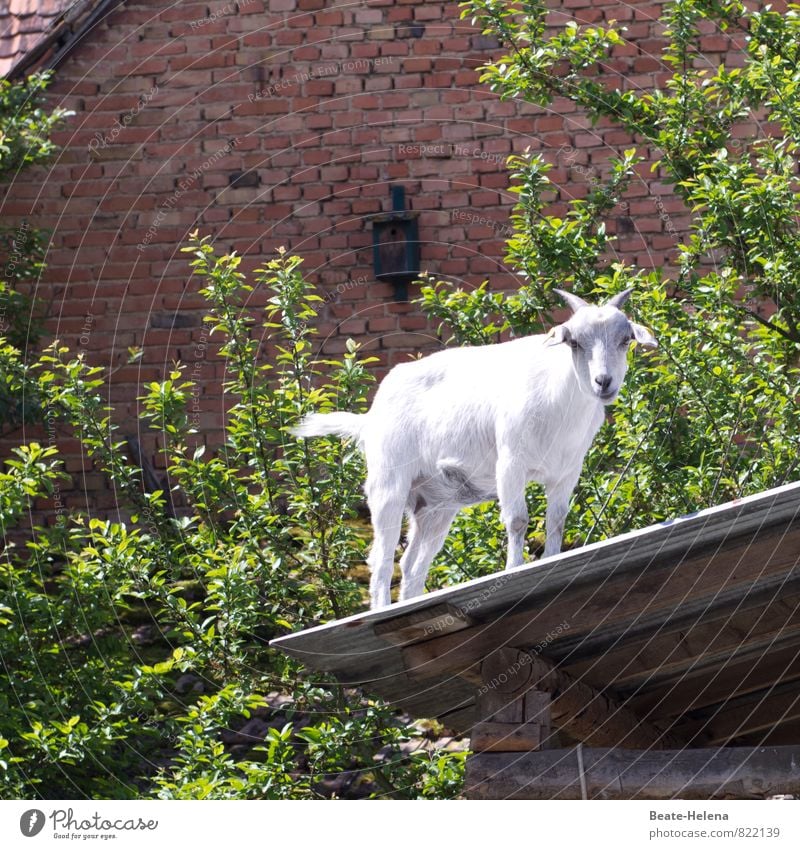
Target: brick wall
286	123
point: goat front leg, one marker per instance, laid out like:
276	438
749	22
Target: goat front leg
513	507
558	496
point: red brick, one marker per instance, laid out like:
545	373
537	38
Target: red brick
325	164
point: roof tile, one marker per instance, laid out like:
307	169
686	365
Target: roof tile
23	23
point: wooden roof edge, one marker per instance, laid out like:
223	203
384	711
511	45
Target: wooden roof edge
731	519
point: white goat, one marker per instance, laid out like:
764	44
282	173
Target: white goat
467	425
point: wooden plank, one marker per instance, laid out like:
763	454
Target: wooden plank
426	700
604	591
660	590
423	624
585	713
505	737
507	672
720	773
513	716
762	710
708	683
533	584
574	646
786	734
460	720
667	655
538	708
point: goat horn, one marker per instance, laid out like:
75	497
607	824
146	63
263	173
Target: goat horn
572	301
620	299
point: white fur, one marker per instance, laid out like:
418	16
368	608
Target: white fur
467	425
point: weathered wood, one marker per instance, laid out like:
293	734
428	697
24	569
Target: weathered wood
585	603
710	639
582	711
661	589
502	707
423	624
505	723
721	606
741	773
709	683
538	708
339	645
461	720
507	671
505	737
758	711
785	734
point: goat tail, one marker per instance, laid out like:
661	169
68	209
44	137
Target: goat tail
325	424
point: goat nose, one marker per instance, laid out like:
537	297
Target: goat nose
603	381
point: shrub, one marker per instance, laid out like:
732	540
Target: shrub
711	415
143	643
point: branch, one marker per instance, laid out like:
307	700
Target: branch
792	337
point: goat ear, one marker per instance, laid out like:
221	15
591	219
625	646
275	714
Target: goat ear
620	299
557	335
643	336
572	301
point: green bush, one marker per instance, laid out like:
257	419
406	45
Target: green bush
266	542
711	415
25	128
133	650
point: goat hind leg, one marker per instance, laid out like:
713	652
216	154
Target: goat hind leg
429	529
386	508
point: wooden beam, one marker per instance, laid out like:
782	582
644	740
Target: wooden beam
724	773
785	734
712	640
762	711
658	591
705	685
695	610
423	624
513	715
585	713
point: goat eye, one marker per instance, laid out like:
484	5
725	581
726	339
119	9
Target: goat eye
574	345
